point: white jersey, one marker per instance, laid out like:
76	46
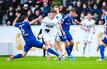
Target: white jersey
88	24
49	24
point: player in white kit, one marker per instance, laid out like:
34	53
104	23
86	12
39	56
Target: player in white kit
49	30
88	26
59	45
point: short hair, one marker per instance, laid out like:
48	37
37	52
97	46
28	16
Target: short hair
104	8
56	6
72	10
23	17
53	11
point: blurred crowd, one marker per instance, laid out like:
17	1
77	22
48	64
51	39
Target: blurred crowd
35	8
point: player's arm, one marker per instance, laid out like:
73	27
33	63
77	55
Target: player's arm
60	26
83	26
104	27
16	19
35	20
75	19
94	28
77	22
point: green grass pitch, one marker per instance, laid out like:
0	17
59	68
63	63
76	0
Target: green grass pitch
43	63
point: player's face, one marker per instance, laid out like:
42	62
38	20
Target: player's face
89	16
56	8
72	13
52	15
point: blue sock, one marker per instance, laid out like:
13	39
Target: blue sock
17	56
102	51
52	52
71	48
68	50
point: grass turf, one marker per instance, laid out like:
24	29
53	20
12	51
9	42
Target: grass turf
43	63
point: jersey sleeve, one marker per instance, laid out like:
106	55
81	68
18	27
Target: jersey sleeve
59	18
17	24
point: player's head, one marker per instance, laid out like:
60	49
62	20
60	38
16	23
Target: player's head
104	10
89	16
52	14
24	18
56	8
72	12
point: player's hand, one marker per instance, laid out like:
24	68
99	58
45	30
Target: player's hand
18	15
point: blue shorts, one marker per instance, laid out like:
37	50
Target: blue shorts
67	37
104	40
34	43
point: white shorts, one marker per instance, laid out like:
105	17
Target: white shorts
87	37
49	37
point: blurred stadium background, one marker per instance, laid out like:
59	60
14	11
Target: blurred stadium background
11	41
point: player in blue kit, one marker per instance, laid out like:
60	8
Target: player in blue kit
67	20
29	38
103	44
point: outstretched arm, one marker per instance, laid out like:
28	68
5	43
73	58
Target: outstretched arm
35	20
14	22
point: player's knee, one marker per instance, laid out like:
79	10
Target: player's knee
67	43
45	47
72	43
102	43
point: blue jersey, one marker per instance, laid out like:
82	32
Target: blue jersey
26	31
106	23
66	22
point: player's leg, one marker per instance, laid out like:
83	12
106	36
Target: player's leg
67	48
59	47
66	42
102	48
41	45
59	44
85	40
48	54
89	42
70	39
88	49
23	54
84	47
